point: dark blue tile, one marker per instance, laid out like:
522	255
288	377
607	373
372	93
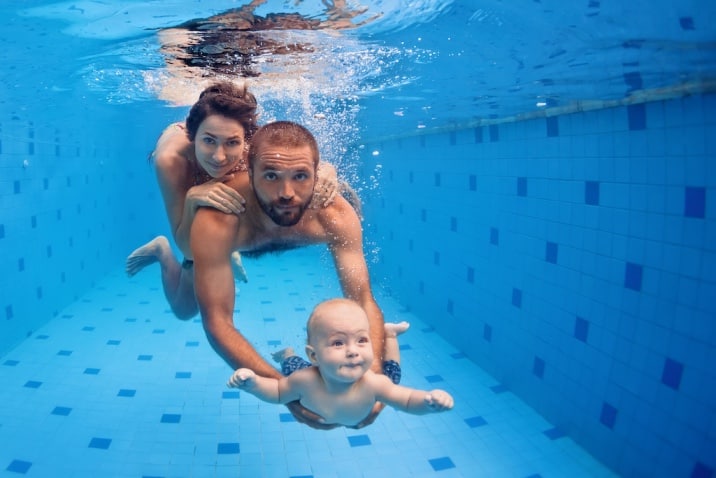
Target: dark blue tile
581	329
499	388
458	356
517	298
472	182
591	193
474	422
554	433
453	224
478	134
182	375
192	343
170	418
671	374
274	343
538	366
550	252
494	236
632	276
230	395
62	411
636	115
442	463
434	378
10	363
695	202
522	186
487	332
437	180
687	23
158	331
405	347
91	371
702	471
19	466
552	126
359	440
144	358
228	449
470	275
100	443
87	328
113	342
32	384
65	353
286	418
494	133
126	392
608	416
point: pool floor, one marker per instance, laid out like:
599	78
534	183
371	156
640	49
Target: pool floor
115	386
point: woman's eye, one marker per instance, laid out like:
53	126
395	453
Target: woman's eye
208	140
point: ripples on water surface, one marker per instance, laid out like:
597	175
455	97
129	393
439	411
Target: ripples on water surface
430	62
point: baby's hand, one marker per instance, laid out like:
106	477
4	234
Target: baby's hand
242	378
439	400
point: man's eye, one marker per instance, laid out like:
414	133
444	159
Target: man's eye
270	176
301	176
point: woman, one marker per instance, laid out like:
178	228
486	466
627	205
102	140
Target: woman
192	162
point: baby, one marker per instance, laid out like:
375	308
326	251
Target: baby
338	384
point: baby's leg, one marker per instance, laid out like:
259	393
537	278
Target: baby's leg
391	350
282	354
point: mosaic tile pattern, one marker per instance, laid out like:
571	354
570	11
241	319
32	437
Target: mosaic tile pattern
115	386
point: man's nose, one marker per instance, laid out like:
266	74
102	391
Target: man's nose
286	190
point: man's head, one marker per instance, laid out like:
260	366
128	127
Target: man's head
338	340
283	160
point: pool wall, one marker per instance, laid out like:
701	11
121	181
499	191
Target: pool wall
76	194
574	258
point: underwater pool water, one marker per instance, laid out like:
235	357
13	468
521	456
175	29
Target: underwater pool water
539	192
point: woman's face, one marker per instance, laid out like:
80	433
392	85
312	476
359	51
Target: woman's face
219	145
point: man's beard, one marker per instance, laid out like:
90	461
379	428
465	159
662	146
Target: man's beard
282	218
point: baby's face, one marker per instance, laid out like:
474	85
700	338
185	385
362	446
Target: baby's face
341	343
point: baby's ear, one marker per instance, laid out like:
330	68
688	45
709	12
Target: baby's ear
311	354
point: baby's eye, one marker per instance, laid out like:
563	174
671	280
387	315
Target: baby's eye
363	340
337	343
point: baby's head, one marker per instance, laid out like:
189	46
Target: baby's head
339	340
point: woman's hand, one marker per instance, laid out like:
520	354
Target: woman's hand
326	186
216	194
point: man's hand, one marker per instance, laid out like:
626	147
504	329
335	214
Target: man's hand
377	408
307	417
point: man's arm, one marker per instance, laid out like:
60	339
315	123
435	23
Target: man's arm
212	240
346	246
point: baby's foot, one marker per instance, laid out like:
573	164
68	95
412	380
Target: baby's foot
282	354
146	255
393	329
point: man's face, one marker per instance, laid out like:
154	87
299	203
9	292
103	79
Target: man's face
283	180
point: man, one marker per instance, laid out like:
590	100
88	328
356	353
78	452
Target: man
282	163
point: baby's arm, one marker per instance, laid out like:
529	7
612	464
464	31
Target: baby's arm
267	389
410	400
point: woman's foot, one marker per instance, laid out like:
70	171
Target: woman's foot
148	254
